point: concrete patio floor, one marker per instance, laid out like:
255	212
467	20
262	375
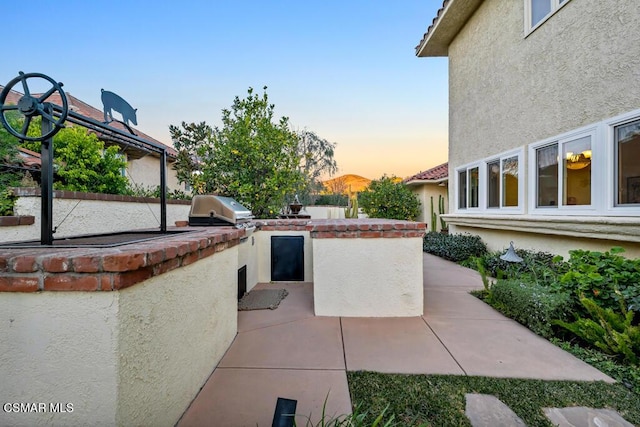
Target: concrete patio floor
288	352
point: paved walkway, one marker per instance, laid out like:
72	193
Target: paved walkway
288	352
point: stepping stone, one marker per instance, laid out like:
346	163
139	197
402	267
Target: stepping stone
485	410
580	416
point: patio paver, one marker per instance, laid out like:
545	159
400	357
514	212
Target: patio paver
395	345
314	343
288	352
247	397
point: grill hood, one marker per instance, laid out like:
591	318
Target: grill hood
217	210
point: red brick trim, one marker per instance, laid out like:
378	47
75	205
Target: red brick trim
64	194
12	221
365	228
108	269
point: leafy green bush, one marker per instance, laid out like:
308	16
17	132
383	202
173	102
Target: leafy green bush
600	275
138	190
454	247
531	304
607	330
386	198
541	267
7	200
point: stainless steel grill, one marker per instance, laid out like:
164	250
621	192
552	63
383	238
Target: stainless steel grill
217	210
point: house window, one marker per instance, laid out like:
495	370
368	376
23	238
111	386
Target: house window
462	189
547	171
474	186
493	184
537	11
627	171
576	157
510	182
563	172
502	182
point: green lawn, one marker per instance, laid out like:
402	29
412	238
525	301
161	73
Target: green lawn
438	400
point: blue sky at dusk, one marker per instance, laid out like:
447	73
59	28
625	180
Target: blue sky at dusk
343	69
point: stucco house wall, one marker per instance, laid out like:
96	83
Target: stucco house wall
145	172
507	90
424	192
511	88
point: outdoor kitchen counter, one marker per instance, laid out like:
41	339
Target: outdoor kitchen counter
109	269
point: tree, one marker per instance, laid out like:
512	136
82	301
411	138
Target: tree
250	158
82	163
9	175
386	198
316	159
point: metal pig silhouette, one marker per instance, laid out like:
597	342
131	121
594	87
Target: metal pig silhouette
111	101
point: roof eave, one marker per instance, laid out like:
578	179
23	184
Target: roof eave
453	15
426	181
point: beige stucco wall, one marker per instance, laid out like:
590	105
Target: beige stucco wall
133	357
91	217
146	173
368	277
509	90
59	347
424	192
263	239
248	256
506	91
324	212
498	240
174	329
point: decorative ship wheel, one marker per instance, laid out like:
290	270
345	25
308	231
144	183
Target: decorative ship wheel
31	106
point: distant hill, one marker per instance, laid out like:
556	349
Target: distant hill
345	183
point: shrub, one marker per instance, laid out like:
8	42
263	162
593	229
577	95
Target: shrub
607	330
531	304
386	198
600	276
454	247
541	267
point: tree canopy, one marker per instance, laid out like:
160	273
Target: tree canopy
387	198
253	157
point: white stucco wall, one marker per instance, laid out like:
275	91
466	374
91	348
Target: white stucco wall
146	172
174	329
368	277
507	91
324	212
424	192
91	217
133	357
263	239
248	255
59	347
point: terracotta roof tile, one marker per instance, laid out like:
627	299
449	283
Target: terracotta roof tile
433	23
437	173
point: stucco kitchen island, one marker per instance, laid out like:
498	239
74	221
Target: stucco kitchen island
128	335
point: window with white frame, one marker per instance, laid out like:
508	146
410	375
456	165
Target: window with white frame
626	140
491	184
462	189
537	11
502	182
469	188
563	171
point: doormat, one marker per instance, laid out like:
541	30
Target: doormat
262	299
